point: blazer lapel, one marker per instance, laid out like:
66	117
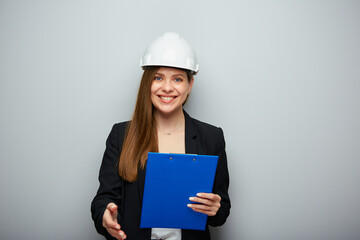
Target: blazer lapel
192	137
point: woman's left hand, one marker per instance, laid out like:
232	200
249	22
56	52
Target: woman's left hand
209	203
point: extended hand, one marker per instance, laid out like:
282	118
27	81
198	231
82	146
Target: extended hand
209	203
110	222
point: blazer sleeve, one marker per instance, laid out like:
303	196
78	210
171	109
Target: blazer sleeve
221	183
111	185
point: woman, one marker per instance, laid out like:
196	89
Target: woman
159	124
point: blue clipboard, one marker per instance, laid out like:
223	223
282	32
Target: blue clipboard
169	182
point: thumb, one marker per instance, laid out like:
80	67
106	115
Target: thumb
112	207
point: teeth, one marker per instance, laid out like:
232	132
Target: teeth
167	98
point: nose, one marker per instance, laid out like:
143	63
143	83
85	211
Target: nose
167	86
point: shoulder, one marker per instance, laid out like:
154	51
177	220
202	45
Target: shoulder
118	131
198	126
206	132
121	126
208	137
205	128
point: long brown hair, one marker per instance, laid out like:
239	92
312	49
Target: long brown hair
141	134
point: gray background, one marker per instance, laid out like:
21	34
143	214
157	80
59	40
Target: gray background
282	78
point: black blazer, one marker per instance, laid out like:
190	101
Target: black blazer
200	138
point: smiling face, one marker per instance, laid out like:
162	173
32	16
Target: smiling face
169	90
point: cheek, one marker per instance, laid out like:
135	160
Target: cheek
153	89
153	96
186	91
155	86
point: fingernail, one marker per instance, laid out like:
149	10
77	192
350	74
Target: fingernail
121	234
198	194
117	227
191	198
189	205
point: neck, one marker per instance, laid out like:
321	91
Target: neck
170	123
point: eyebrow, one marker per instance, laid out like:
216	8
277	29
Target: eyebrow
175	75
159	74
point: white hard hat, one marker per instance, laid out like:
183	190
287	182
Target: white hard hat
170	50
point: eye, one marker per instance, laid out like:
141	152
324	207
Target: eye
178	79
158	78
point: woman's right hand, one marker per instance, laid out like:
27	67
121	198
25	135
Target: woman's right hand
110	222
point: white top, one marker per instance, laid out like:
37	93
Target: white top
166	233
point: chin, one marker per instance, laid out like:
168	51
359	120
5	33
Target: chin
168	111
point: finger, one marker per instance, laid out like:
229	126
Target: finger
112	224
114	233
202	207
209	213
202	200
112	207
210	196
208	210
122	235
118	234
109	220
206	201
